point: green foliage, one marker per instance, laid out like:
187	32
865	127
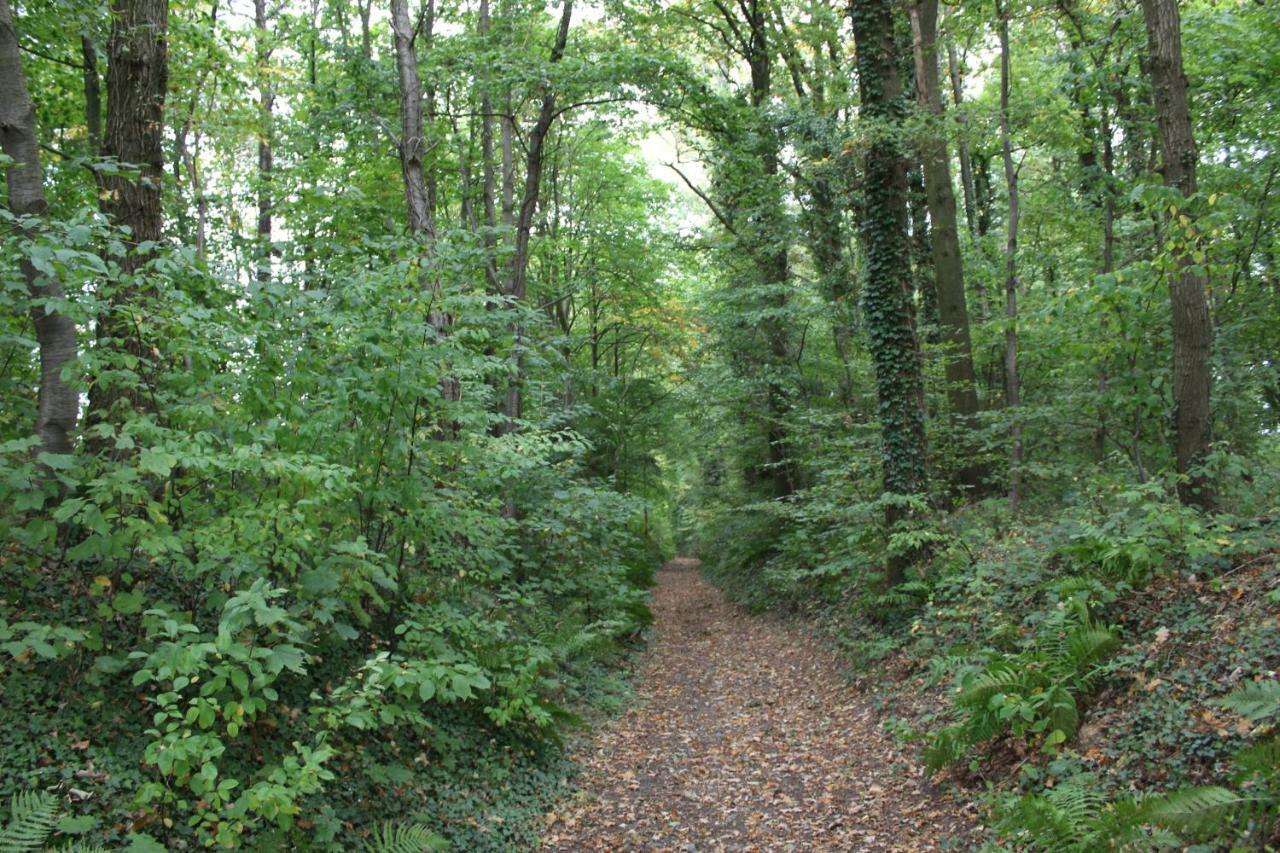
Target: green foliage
1034	692
403	838
302	584
1140	532
282	560
1076	815
33	818
1257	701
32	815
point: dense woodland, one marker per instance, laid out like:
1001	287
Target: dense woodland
359	364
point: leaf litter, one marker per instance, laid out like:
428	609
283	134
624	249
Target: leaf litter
746	737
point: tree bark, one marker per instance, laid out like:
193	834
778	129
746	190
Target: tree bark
412	143
413	148
489	184
923	281
1013	391
58	403
137	77
1192	329
518	268
953	310
92	95
266	162
962	144
895	352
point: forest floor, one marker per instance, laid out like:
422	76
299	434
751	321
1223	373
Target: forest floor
746	737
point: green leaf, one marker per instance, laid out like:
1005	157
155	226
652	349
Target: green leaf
157	461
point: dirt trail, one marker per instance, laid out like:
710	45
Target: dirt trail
746	738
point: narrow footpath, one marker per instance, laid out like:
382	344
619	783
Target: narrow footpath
745	737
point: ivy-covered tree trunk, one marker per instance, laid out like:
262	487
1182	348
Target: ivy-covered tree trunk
827	245
895	352
1192	329
137	80
771	257
58	403
953	310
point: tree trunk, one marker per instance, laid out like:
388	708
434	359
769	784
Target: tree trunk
953	311
365	8
92	95
266	101
771	260
962	144
58	403
895	352
412	140
1013	398
826	242
923	282
489	188
413	147
518	268
1192	329
137	77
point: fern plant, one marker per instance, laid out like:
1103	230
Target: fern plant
1252	811
1078	817
33	816
1031	693
393	837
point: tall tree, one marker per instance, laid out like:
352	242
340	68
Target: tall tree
58	404
1013	389
962	143
895	352
137	78
412	143
518	265
953	311
1192	328
266	160
413	146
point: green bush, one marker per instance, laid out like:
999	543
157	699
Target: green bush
1034	692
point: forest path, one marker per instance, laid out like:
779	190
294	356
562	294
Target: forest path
745	737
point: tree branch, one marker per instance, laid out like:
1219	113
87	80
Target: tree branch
711	204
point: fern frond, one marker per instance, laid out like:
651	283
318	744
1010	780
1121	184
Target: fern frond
1090	643
946	747
1260	759
392	837
1257	700
1000	677
31	819
1191	808
1063	712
